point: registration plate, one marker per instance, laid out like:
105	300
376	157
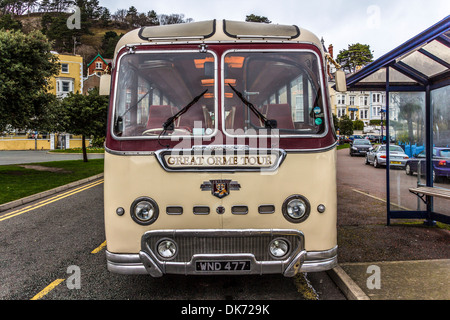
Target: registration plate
395	162
222	265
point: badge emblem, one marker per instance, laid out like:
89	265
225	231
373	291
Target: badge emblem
220	188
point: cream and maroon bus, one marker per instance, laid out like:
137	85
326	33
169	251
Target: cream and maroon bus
220	152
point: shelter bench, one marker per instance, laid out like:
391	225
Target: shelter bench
421	192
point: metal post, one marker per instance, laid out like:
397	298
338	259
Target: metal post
429	151
388	195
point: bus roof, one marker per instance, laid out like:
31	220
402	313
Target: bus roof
218	31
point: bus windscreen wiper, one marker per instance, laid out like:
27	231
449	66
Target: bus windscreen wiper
268	124
169	124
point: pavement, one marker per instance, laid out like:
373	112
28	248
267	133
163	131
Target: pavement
416	267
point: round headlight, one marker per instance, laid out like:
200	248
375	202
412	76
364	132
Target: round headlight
278	248
167	248
296	208
144	211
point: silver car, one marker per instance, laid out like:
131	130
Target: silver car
377	156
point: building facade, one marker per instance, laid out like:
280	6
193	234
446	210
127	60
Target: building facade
360	105
98	65
70	76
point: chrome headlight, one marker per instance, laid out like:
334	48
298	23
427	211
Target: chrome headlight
278	248
144	211
296	208
167	248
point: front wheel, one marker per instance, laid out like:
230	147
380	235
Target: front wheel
375	163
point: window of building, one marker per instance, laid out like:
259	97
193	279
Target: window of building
64	86
363	114
363	101
64	67
376	98
98	65
352	100
341	112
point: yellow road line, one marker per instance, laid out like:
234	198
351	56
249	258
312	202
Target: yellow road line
99	248
380	199
50	200
47	289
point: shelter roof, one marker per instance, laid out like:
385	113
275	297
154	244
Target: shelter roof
421	61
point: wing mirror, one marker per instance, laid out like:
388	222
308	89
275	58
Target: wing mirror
341	81
105	85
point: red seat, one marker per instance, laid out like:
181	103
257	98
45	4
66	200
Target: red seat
282	114
194	114
158	115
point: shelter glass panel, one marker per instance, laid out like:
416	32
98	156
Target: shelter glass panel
407	156
423	64
441	145
439	50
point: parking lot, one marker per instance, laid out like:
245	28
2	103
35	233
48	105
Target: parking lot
372	181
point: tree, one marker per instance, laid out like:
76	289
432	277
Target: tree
85	115
132	16
357	55
119	15
174	18
105	17
8	23
26	65
152	18
255	18
109	42
54	26
346	126
358	124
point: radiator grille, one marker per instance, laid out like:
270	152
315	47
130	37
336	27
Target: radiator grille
229	243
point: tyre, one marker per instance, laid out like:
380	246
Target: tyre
375	163
408	170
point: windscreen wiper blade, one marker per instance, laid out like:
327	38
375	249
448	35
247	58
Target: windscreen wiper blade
268	124
118	123
169	124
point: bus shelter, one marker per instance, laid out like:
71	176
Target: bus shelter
416	79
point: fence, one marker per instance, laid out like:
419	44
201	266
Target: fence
45	142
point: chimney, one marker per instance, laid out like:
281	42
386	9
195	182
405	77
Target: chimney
330	50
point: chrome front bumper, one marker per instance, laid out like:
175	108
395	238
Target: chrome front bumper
222	245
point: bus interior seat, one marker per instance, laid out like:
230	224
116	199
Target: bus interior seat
238	115
194	114
158	114
282	113
229	120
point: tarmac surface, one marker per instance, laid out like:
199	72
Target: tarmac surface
376	262
21	157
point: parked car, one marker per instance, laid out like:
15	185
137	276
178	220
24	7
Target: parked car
377	156
374	138
441	163
343	139
353	137
360	147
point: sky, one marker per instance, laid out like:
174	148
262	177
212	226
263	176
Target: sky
382	24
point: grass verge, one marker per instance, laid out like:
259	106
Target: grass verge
18	182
